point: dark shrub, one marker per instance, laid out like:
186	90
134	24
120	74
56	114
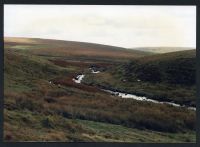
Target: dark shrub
149	73
48	123
50	99
181	71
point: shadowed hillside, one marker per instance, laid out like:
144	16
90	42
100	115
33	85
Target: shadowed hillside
174	68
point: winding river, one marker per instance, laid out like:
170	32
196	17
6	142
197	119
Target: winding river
80	77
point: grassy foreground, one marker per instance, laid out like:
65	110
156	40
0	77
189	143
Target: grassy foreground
56	128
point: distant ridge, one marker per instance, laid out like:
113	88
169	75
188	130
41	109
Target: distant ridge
162	49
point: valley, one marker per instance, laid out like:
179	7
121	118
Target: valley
74	91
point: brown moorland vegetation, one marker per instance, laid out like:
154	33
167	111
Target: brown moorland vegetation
70	48
66	111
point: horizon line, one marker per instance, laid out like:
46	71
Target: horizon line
189	47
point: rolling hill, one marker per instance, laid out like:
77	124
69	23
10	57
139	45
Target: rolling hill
47	47
174	67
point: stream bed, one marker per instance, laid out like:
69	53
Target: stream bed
80	77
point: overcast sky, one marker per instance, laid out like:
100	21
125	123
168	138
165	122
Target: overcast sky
124	26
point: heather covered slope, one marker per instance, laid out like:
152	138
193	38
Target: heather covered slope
70	48
175	68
